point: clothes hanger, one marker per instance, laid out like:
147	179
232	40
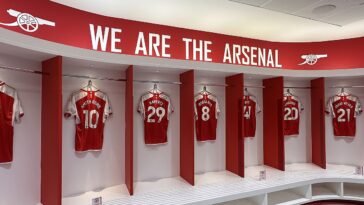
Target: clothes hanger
342	92
155	89
90	86
246	92
204	90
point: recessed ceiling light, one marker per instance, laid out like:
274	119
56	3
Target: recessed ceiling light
324	9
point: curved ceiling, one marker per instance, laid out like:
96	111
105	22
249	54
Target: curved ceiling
272	20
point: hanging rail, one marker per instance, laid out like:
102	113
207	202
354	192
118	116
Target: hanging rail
348	86
24	70
94	78
158	82
296	87
212	84
254	86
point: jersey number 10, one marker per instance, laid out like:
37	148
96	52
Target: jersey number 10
88	119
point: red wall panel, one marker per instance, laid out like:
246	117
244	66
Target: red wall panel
51	131
234	141
187	144
318	122
273	123
129	130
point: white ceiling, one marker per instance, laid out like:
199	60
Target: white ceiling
232	18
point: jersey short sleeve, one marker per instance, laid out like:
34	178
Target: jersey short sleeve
71	109
358	109
107	108
257	107
170	106
141	108
300	105
329	107
18	110
217	110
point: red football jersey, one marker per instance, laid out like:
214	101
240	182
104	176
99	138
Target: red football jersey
10	112
292	108
90	109
250	109
206	113
155	108
344	108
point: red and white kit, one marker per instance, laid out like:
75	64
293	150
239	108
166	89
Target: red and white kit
206	113
10	112
292	108
250	109
155	107
90	109
344	108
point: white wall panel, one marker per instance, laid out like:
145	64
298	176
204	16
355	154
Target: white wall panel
156	161
90	171
210	155
20	180
345	150
254	146
298	148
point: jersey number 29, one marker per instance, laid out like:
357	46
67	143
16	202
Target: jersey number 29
160	112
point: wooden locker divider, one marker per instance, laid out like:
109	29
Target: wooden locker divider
51	132
318	122
129	179
234	141
187	120
273	138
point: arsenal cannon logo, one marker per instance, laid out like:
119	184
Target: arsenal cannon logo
27	22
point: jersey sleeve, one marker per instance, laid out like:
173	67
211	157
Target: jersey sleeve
358	109
170	106
329	108
141	108
217	108
195	108
257	106
300	106
71	108
107	108
18	110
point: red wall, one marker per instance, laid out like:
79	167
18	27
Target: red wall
129	130
234	141
273	123
318	122
51	157
187	119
